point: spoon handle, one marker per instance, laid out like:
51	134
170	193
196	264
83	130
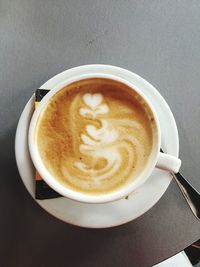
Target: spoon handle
191	195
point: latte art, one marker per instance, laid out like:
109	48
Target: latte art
94	137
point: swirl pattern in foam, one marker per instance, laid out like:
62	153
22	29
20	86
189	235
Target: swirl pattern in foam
95	135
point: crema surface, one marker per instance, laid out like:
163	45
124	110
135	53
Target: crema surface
95	135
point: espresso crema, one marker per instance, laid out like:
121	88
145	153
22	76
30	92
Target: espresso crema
95	135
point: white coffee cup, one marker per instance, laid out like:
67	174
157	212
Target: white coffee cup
156	159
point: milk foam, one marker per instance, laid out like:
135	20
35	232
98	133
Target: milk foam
93	105
106	142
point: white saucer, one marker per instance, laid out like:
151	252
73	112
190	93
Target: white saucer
118	212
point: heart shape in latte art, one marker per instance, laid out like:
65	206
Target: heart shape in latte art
92	100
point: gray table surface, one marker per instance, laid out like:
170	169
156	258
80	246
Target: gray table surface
159	40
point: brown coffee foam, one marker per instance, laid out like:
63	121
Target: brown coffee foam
60	127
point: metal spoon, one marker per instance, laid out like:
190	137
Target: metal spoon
191	195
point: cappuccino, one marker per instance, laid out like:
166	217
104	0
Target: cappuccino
95	135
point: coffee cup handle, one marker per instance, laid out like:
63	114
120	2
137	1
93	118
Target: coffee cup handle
168	163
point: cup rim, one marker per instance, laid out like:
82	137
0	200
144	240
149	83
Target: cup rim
70	193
